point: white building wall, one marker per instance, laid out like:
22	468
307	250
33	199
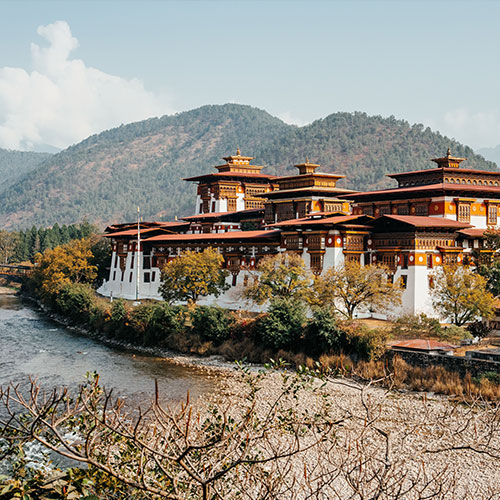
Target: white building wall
198	204
240	201
220	205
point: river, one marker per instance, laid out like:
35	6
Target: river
33	345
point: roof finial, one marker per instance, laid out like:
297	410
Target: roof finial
307	159
448	153
238	152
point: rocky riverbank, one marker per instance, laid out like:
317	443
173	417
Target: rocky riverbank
403	445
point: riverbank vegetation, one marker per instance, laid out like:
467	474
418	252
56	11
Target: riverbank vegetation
295	327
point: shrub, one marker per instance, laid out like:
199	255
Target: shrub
118	311
75	300
454	333
493	377
164	321
479	329
118	321
419	325
211	323
139	320
282	326
323	334
363	342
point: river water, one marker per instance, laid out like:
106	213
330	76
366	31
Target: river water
31	344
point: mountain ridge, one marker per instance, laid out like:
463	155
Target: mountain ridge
106	176
15	164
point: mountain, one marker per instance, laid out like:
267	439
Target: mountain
491	154
106	176
15	164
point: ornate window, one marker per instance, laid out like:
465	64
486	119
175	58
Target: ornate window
389	260
293	242
250	204
492	214
285	211
317	262
463	213
354	242
422	209
353	257
231	204
316	242
332	207
268	213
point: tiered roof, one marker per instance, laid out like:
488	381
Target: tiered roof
237	167
307	183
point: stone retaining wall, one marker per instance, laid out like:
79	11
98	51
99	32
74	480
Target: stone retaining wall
459	364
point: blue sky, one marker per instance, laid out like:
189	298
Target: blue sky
434	62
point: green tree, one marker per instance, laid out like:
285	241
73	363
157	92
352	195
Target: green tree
279	276
352	286
193	275
283	325
459	294
8	244
323	333
211	323
488	264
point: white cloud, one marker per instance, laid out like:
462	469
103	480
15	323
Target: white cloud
287	117
477	129
62	101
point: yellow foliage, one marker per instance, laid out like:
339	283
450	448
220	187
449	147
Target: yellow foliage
460	294
193	275
62	265
279	276
352	285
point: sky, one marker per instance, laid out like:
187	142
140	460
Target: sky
69	69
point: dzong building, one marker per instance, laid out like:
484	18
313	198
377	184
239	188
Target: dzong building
433	217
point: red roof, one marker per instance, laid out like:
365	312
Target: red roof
230	235
214	215
231	174
429	187
473	232
423	345
133	232
308	221
422	221
445	169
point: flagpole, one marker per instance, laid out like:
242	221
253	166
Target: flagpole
138	267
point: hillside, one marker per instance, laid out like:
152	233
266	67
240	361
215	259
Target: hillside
106	176
15	164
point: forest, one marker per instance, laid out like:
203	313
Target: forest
22	246
106	176
15	164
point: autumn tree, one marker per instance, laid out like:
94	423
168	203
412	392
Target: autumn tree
193	275
65	264
281	276
459	294
351	286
